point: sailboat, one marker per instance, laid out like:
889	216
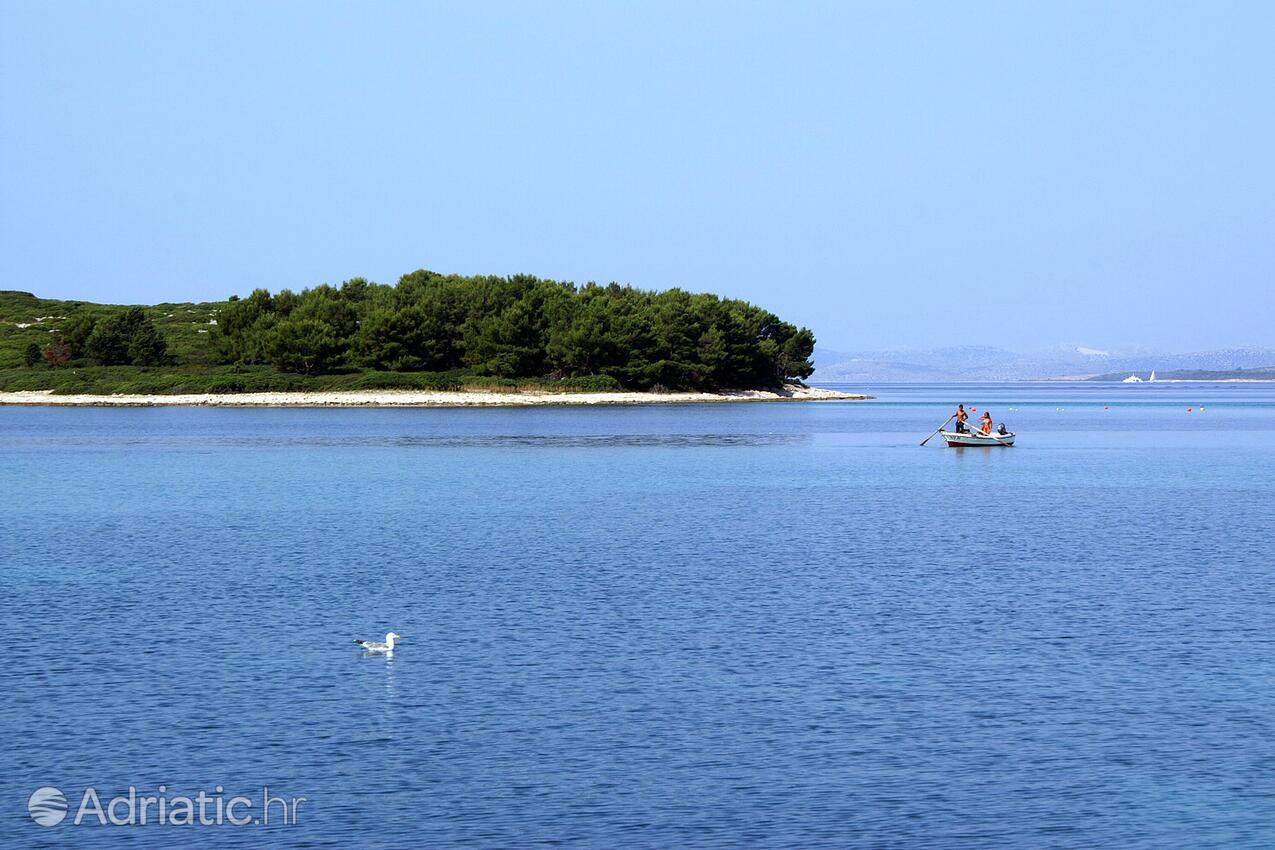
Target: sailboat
1151	380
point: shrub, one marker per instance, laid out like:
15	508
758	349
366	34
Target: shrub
126	338
591	384
58	353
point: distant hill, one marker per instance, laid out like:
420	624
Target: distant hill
982	363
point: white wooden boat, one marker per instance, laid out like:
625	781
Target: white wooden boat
977	438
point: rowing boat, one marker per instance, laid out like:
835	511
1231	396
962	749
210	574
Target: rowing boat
977	438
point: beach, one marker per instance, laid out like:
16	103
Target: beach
422	398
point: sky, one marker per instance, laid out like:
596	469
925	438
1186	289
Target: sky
888	174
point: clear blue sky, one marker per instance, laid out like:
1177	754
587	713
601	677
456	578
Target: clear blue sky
888	174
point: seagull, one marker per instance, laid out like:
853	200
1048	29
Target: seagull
377	646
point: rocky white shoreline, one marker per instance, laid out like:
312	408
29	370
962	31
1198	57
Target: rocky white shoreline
421	398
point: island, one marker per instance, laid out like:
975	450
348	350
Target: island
429	340
1182	376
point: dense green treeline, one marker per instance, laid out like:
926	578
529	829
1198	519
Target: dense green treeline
427	332
516	327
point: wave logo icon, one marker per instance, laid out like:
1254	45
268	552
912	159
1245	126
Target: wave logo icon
47	806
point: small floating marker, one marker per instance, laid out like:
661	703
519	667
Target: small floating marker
1106	407
1188	410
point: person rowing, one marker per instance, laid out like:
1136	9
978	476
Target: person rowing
961	416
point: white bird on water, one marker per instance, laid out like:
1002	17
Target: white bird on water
377	646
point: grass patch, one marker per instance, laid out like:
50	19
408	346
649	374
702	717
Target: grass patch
25	319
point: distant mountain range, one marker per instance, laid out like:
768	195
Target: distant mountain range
980	363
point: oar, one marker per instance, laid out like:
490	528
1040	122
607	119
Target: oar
940	428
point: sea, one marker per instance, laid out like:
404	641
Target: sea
781	625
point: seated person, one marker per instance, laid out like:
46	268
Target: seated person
986	423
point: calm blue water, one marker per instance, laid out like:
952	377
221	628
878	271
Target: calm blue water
780	625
